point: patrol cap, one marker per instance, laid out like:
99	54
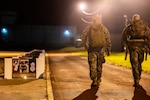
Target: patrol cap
135	17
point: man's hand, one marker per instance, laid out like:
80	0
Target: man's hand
148	50
86	47
108	53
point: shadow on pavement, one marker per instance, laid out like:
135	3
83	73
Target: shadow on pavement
15	81
89	94
140	94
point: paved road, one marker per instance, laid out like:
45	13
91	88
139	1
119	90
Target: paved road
71	81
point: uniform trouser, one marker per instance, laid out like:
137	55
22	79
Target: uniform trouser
95	60
136	59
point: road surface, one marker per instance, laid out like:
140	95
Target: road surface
71	81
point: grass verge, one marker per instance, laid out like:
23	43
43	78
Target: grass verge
117	58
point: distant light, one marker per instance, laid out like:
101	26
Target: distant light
124	16
67	33
4	31
25	77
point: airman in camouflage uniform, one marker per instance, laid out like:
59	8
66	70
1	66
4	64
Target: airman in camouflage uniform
137	38
96	40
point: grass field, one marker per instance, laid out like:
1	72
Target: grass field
118	60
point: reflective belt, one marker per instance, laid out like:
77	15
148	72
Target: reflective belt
136	40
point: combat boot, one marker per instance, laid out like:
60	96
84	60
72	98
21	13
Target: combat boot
98	81
136	83
94	83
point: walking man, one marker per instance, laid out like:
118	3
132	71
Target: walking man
136	37
96	40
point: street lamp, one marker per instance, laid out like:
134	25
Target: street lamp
82	7
67	34
4	34
4	31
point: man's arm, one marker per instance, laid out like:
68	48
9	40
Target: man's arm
147	41
125	40
108	42
84	37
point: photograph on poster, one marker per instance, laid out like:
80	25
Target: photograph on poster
32	65
15	64
24	66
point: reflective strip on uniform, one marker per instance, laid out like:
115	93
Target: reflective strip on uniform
136	40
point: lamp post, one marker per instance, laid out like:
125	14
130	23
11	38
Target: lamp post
82	7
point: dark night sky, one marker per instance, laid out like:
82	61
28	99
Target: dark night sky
66	12
49	12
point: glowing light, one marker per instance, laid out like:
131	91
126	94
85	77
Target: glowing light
67	33
25	77
82	6
4	31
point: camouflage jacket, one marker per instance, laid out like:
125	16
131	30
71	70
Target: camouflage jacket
96	36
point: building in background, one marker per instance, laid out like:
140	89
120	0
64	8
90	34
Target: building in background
27	37
45	35
33	36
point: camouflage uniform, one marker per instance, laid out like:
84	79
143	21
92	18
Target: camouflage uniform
96	38
137	37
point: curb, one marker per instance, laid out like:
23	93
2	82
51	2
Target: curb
48	82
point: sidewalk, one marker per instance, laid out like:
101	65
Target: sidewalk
27	89
20	89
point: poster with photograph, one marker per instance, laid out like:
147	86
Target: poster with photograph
15	65
24	65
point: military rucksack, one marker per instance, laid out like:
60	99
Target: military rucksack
137	30
98	36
